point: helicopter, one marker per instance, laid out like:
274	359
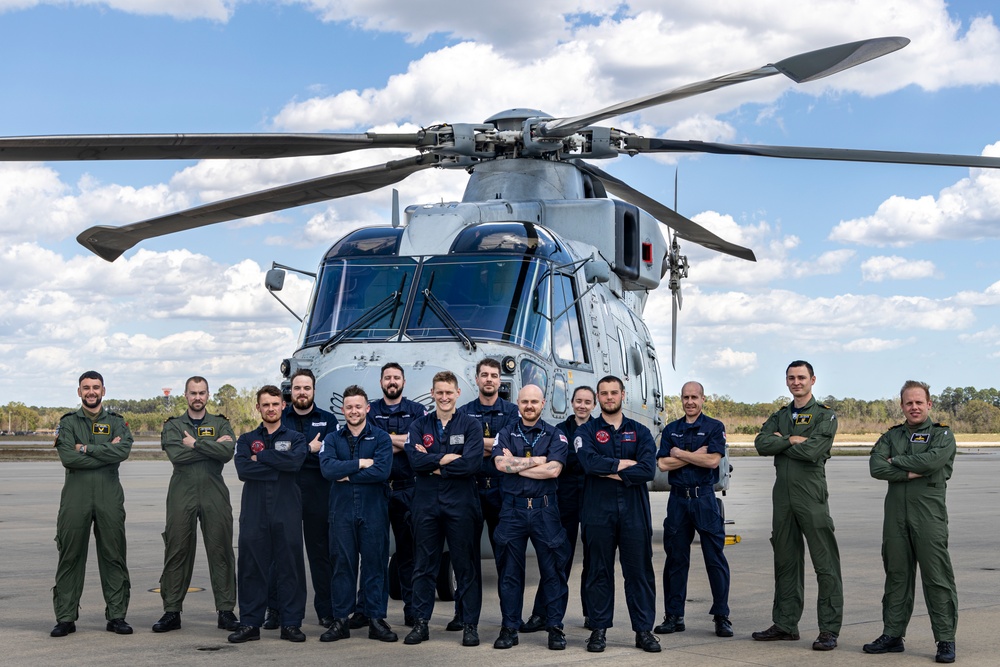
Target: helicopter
546	263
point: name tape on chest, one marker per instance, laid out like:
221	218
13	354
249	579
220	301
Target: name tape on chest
206	431
802	420
98	428
628	436
282	445
456	439
920	437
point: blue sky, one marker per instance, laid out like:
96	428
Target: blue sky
875	273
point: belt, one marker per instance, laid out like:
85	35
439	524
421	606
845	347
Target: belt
692	491
400	484
531	503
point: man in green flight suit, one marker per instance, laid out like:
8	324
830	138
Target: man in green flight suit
799	436
198	444
91	443
916	458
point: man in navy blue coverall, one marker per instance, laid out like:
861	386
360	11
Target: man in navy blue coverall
570	494
393	413
445	449
691	449
618	455
530	454
357	459
314	423
267	461
494	413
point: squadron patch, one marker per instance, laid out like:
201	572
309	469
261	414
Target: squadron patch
98	428
602	437
428	439
920	437
282	445
801	420
256	446
206	431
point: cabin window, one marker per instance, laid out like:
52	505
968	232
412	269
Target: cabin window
568	339
642	377
560	394
623	352
532	373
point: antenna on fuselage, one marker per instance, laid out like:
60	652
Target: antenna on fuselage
395	208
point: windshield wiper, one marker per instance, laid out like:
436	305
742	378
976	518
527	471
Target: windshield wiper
391	302
454	327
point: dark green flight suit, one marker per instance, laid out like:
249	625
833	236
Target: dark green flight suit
198	491
915	529
91	494
800	508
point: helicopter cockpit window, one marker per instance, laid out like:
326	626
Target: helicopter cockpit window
567	335
522	238
352	289
491	297
368	242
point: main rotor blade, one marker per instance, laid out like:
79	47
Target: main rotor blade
197	146
683	227
801	68
110	242
657	145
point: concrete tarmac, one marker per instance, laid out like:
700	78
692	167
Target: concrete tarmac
30	499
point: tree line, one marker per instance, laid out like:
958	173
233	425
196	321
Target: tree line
966	409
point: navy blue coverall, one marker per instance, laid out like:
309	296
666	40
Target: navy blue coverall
359	518
446	505
615	516
271	524
530	510
692	506
493	419
396	420
570	494
315	502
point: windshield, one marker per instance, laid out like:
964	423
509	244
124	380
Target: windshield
489	297
350	288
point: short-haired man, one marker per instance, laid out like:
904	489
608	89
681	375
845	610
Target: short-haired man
530	454
916	458
198	444
304	416
618	454
267	461
393	413
445	449
494	413
691	449
570	494
91	443
357	459
800	436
